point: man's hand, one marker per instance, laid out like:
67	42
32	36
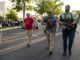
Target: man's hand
60	23
23	26
43	23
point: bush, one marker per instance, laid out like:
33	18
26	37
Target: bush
12	15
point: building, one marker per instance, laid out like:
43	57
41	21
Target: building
5	6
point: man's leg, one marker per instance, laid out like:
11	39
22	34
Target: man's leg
52	37
48	38
71	38
29	32
64	33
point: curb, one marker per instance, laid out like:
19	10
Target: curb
9	28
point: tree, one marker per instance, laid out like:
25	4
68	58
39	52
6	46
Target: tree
78	12
53	5
29	7
21	5
12	15
1	18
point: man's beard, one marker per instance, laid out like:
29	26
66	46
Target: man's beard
66	10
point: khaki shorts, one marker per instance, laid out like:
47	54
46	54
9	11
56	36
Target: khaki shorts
29	33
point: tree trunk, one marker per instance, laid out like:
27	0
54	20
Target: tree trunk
23	9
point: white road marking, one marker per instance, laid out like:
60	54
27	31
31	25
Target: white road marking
15	35
25	37
12	48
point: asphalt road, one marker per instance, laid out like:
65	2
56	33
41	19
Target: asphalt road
14	46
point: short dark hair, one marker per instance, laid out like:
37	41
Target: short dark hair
67	7
49	11
27	14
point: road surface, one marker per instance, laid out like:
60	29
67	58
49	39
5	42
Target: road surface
14	46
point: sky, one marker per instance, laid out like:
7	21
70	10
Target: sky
2	0
75	4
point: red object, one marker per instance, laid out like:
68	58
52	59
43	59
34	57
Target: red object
28	23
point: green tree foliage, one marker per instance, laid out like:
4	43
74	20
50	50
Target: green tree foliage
45	5
21	5
78	12
29	7
18	5
1	18
24	6
12	15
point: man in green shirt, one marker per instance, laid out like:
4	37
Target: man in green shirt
68	23
50	29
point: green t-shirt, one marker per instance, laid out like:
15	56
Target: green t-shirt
45	19
67	17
